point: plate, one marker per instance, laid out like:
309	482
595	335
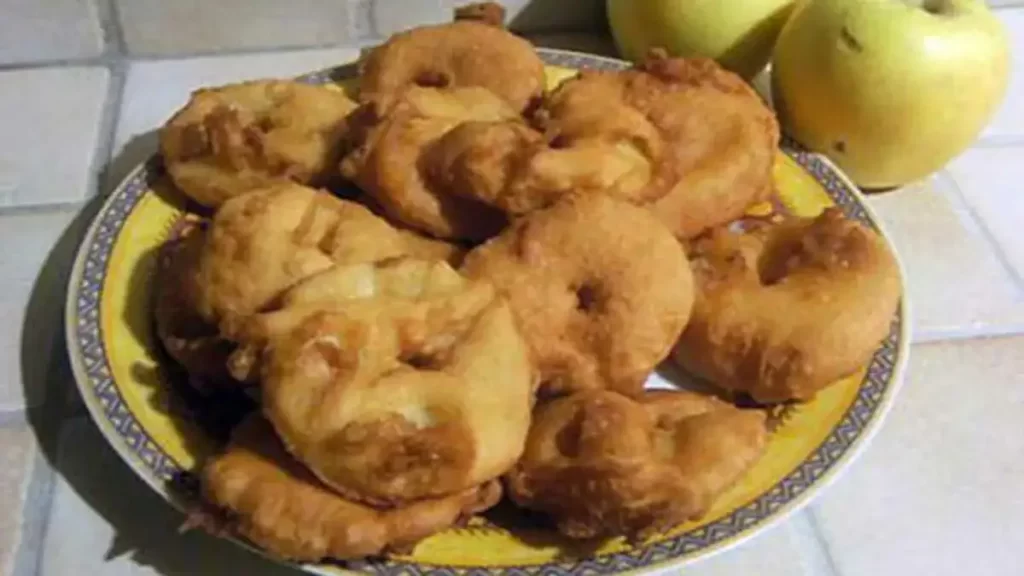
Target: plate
162	431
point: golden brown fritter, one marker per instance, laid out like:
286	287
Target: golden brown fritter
398	381
390	163
600	289
473	51
708	139
517	169
229	140
264	242
187	338
784	310
276	503
601	464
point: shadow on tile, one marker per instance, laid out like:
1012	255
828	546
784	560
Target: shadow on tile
134	152
143	530
46	371
106	520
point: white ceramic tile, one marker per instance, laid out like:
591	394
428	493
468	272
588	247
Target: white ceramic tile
104	520
17	454
956	284
33	277
1008	122
390	16
155	89
51	124
992	181
34	30
938	491
195	26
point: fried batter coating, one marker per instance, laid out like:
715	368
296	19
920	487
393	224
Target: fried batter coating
602	464
600	289
518	170
396	383
708	140
229	140
264	242
785	310
473	51
276	503
390	164
188	339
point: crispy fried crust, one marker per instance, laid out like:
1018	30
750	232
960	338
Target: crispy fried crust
274	501
602	464
186	337
785	310
261	244
709	140
473	51
231	139
391	164
600	289
397	382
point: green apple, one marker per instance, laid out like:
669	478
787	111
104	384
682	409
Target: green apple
739	34
891	90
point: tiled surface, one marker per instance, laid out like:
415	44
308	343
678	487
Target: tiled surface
155	89
35	30
104	520
389	16
935	494
992	181
17	456
938	491
196	26
51	122
957	286
1008	123
31	302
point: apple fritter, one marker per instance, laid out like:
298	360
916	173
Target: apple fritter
398	381
473	51
786	309
232	139
602	464
264	242
600	289
276	503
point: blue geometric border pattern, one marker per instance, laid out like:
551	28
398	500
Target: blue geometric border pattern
88	338
89	334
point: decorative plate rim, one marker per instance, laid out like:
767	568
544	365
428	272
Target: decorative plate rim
842	446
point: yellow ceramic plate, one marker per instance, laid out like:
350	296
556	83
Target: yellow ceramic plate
162	431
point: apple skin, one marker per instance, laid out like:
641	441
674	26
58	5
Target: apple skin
739	34
889	91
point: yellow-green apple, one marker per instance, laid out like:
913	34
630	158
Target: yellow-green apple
891	90
739	34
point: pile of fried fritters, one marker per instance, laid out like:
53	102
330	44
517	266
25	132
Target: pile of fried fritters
482	318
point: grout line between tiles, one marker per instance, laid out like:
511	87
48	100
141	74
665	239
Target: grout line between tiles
109	119
110	23
970	333
822	543
35	517
979	222
20	209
